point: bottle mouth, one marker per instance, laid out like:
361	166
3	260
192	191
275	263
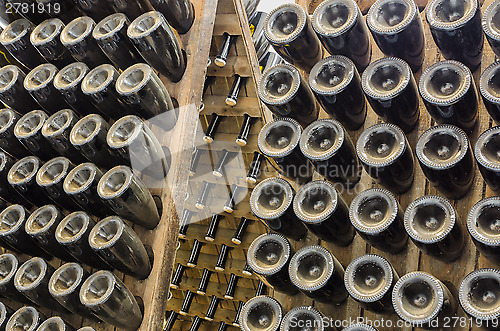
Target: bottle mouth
53	171
479	294
442	147
445	82
99	79
3	161
81	177
25	318
145	24
40	77
56	124
30	124
124	131
446	15
15	31
110	25
3	313
322	139
335	17
261	313
71	75
279	84
42	219
332	74
311	268
489	83
106	233
115	182
66	279
8	77
373	210
271	198
8	267
418	297
30	274
12	219
487	149
315	202
380	145
304	315
369	278
7	118
386	78
284	23
483	221
24	170
429	219
86	129
391	16
77	30
72	227
97	288
359	327
268	253
491	21
54	323
46	31
134	79
280	137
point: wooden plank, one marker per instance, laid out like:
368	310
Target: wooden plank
227	23
235	65
217	104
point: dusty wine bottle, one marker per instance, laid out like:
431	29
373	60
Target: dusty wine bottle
27	318
227	41
489	86
392	92
330	149
272	201
39	83
195	159
55	323
318	274
246	126
9	264
286	93
5	313
307	316
397	29
484	226
195	254
487	155
269	257
178	13
456	29
222	258
12	92
7	192
421	299
213	226
377	217
261	313
212	128
337	87
478	296
324	212
491	26
369	279
359	327
445	156
232	97
46	39
184	223
279	140
8	140
201	202
289	30
224	159
386	156
177	277
231	287
240	231
450	94
254	171
431	222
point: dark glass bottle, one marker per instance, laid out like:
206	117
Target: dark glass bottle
222	258
205	279
234	197
240	231
343	31
184	223
97	9
387	157
269	257
397	29
212	128
254	171
232	285
236	320
329	147
324	212
318	274
261	313
5	313
227	41
359	327
195	159
179	13
223	160
432	224
8	140
289	30
456	29
170	320
489	86
22	177
12	92
478	294
491	26
212	308
213	226
232	97
337	87
377	217
445	156
487	153
287	94
25	318
392	92
9	264
201	202
421	299
307	316
450	94
279	140
177	277
272	201
259	40
186	304
369	279
484	227
245	128
7	192
195	254
46	39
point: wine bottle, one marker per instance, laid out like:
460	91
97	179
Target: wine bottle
236	321
213	226
431	222
224	159
483	227
179	13
212	308
8	140
377	217
307	316
7	192
9	264
259	40
261	313
195	254
55	323
184	223
186	304
246	126
227	41
254	171
359	327
232	97
39	83
222	258
489	86
5	313
203	195
491	28
240	231
46	39
212	128
26	318
231	287
485	152
234	194
445	156
205	279
12	92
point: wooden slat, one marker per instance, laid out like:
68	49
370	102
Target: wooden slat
217	104
235	65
